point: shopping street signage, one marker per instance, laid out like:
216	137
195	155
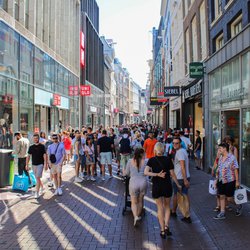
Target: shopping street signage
157	101
56	100
171	91
73	90
193	90
85	90
196	70
82	49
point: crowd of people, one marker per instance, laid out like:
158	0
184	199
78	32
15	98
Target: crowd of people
143	152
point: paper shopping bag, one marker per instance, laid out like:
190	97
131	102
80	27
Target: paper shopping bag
183	204
240	196
212	188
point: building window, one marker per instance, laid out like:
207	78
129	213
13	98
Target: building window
236	26
4	5
17	10
219	42
216	6
27	14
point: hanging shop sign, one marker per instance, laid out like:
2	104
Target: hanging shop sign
193	90
171	91
85	90
157	101
73	90
196	70
56	100
82	48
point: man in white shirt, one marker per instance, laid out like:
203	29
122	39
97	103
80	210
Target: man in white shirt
181	169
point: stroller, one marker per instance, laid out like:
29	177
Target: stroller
127	203
127	196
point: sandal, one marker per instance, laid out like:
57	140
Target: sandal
167	231
163	235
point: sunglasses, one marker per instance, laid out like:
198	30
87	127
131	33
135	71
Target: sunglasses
55	138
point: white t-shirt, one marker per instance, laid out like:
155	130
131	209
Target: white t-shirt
181	155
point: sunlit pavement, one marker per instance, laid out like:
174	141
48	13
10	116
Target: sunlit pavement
89	216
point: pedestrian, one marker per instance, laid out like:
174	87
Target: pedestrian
78	154
113	136
21	150
137	142
161	167
137	183
42	137
67	146
104	149
125	149
56	156
90	158
181	169
228	180
197	150
37	152
185	140
90	133
117	152
149	145
232	149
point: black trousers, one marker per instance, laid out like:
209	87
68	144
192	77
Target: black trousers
21	167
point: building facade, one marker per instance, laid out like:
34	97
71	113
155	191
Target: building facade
92	66
228	77
38	67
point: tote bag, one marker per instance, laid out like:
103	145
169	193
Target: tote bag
240	196
21	182
183	204
212	189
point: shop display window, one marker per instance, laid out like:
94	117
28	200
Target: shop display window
246	77
9	48
8	111
26	106
26	60
215	88
245	167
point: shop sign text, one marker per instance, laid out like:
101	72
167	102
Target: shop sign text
171	91
193	90
85	90
56	100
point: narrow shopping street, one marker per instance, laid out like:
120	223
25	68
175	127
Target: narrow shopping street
89	216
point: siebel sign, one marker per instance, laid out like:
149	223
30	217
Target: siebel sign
171	91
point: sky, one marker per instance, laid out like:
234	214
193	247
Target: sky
129	23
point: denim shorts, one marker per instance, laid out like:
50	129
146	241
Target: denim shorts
184	190
198	154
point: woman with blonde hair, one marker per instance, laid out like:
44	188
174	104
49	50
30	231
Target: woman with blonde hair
161	168
137	183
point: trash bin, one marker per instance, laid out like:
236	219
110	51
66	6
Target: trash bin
6	167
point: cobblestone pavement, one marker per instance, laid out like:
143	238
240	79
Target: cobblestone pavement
89	216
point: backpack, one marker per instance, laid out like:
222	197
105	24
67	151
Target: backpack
125	146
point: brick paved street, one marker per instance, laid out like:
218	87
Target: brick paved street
89	216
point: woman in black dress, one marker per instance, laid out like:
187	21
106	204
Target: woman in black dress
161	169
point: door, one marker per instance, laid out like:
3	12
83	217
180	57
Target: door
231	125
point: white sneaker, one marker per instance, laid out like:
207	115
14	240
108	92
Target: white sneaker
78	179
92	178
36	195
136	219
42	191
60	191
56	192
81	175
88	178
103	178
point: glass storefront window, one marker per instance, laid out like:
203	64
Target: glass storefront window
9	47
8	111
216	134
215	85
26	60
49	74
39	68
245	167
26	108
246	77
231	83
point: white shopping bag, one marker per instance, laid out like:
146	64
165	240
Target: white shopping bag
212	188
240	196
